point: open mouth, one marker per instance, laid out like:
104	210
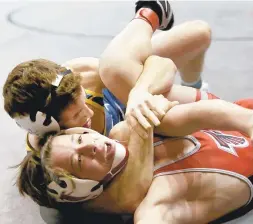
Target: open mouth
87	123
109	149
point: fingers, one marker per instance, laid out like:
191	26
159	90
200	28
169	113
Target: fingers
141	119
134	124
148	112
157	109
164	104
168	105
174	103
160	106
145	116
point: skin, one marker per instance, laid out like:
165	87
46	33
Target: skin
194	197
83	155
77	113
81	114
168	44
164	44
187	198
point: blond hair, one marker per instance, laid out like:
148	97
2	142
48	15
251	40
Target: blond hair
36	172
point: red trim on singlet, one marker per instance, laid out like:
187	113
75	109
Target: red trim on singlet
202	95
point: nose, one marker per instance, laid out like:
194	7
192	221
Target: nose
86	149
88	111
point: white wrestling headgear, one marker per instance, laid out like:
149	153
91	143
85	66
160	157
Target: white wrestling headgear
41	125
71	189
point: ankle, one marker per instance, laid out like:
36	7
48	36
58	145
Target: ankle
196	84
149	16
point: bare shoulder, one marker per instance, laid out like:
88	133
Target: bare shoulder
88	68
82	64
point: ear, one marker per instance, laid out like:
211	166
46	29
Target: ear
56	189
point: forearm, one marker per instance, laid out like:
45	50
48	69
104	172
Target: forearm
182	94
207	114
140	166
157	76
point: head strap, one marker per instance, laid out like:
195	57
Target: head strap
72	189
39	123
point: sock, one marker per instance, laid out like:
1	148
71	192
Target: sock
196	84
149	16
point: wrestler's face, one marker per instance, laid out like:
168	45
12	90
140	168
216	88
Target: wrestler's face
77	114
85	156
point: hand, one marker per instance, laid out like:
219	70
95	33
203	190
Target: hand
145	111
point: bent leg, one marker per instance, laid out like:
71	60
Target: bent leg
185	44
123	60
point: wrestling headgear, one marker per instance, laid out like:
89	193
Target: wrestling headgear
72	189
41	123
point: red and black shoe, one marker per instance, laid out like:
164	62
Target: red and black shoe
162	9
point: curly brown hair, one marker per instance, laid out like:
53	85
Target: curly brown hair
29	84
32	179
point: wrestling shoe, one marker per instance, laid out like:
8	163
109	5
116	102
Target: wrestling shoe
162	9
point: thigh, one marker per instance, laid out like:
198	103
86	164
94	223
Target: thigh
183	42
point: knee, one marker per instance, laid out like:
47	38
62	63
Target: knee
204	31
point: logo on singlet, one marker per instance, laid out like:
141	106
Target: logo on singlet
227	142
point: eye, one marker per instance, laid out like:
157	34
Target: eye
80	139
79	161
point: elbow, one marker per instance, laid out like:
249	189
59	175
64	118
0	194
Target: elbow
165	63
171	66
167	70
